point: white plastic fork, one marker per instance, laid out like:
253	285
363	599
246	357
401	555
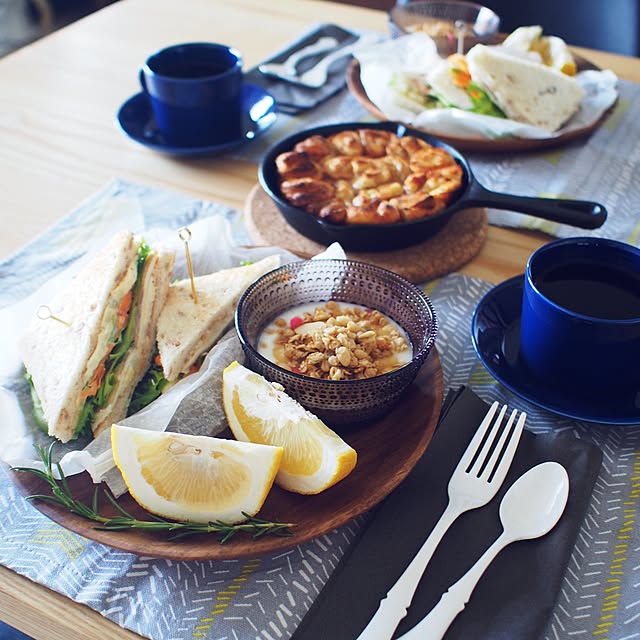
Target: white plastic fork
474	482
317	76
288	68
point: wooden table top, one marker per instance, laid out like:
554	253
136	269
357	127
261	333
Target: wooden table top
59	144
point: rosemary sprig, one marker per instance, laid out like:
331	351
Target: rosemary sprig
62	496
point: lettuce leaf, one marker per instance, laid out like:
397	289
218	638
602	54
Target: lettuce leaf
482	103
149	388
114	360
38	413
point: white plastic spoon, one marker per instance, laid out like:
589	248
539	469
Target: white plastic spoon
530	509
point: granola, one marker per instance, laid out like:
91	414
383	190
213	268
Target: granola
336	342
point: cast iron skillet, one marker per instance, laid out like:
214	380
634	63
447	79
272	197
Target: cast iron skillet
372	237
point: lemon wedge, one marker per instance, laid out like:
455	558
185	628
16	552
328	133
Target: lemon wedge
315	457
194	478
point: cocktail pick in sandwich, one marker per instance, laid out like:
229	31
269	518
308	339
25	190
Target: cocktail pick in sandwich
187	331
185	235
44	313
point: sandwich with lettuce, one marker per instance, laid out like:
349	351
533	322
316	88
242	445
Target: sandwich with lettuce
84	362
529	78
448	86
187	329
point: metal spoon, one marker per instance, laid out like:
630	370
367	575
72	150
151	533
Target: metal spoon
530	509
288	68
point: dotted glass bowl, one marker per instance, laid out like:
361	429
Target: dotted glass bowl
340	403
441	20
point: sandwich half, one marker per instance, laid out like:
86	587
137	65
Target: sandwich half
84	362
525	90
187	330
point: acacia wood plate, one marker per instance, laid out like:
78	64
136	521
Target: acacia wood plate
387	451
479	144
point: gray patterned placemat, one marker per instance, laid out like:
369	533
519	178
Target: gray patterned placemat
266	597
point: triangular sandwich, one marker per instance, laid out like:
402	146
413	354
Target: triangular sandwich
186	330
525	90
84	361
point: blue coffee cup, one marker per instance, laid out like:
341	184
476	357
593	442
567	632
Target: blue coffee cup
580	323
195	92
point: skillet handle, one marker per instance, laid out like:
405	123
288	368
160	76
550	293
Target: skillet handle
577	213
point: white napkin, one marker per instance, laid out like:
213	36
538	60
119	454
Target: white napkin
417	53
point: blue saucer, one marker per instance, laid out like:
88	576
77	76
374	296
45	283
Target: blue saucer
495	333
136	120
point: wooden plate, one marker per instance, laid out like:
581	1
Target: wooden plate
479	144
387	451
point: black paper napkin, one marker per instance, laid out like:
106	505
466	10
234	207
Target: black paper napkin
517	593
291	98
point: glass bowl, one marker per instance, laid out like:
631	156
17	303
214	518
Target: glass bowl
342	404
446	22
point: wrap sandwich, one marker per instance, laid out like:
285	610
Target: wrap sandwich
528	79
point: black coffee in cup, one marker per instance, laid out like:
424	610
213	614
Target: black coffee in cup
606	291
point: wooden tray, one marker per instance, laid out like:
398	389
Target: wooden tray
480	144
387	451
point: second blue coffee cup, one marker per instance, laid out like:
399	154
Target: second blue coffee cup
580	324
195	93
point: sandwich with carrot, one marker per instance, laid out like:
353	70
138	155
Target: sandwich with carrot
529	78
189	326
85	359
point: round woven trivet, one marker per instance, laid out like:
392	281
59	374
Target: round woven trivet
447	250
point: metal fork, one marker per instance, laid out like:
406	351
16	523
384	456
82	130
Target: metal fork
475	481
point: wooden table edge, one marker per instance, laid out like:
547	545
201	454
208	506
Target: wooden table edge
59	616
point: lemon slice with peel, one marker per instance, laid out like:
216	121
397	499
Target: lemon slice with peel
194	478
314	458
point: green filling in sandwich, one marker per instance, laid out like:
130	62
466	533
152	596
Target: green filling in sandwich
123	342
149	388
